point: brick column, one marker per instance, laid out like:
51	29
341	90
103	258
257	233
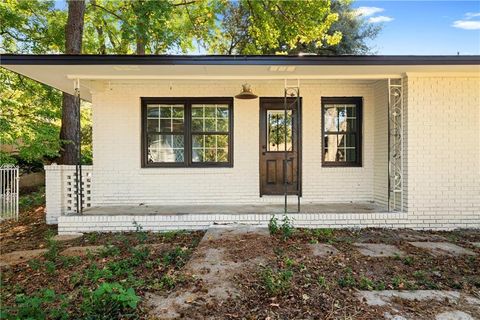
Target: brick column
53	193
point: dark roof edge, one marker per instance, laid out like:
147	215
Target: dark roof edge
21	59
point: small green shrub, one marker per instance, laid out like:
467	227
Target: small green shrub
68	262
175	257
399	282
27	202
109	301
277	282
273	225
323	233
408	261
139	255
109	251
167	282
53	250
94	273
322	282
286	228
45	304
366	283
120	268
50	267
34	264
92	237
142	236
347	281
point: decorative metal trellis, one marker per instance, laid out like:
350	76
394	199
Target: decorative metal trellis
79	183
9	185
292	101
395	145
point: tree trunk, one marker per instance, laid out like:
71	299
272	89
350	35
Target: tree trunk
70	113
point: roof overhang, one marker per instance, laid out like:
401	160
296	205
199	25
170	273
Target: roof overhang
60	71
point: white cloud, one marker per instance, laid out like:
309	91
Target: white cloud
467	24
380	19
368	11
470	15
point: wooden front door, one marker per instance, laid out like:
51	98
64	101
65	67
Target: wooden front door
273	167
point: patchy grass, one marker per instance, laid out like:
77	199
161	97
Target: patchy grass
108	284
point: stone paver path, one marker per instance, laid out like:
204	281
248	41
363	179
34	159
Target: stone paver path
81	251
323	249
454	315
16	257
378	250
443	248
212	268
391	299
67	237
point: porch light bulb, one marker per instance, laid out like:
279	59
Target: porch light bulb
246	92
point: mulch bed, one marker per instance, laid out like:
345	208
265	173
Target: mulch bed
311	298
28	233
320	288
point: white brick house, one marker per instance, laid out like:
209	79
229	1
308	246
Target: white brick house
389	141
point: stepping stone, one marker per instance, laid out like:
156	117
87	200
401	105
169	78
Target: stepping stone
454	315
81	251
323	249
443	248
16	257
476	244
378	250
213	266
385	297
67	237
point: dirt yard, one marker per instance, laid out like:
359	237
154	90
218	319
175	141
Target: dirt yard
292	274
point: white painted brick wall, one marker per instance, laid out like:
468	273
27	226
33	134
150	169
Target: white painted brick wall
116	146
60	190
443	141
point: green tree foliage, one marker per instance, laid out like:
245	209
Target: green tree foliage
269	27
274	26
29	118
30	112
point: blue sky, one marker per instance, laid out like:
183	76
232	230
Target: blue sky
425	27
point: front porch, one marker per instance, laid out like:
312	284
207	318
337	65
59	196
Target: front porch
200	217
248	209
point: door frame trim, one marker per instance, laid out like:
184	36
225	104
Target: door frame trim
263	100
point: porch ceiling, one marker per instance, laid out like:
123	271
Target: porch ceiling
93	71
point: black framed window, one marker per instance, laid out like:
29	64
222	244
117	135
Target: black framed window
187	132
342	131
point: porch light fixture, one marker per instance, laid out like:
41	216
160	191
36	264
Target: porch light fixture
246	93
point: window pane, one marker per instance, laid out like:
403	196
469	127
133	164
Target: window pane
350	155
350	140
210	118
171	118
276	130
340	147
152	125
165	111
210	148
351	110
152	111
165	148
331	119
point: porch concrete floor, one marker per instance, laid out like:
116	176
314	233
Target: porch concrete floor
235	209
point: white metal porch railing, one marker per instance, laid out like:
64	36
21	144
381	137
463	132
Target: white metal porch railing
9	183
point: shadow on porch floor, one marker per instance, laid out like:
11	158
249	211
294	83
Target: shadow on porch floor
235	209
